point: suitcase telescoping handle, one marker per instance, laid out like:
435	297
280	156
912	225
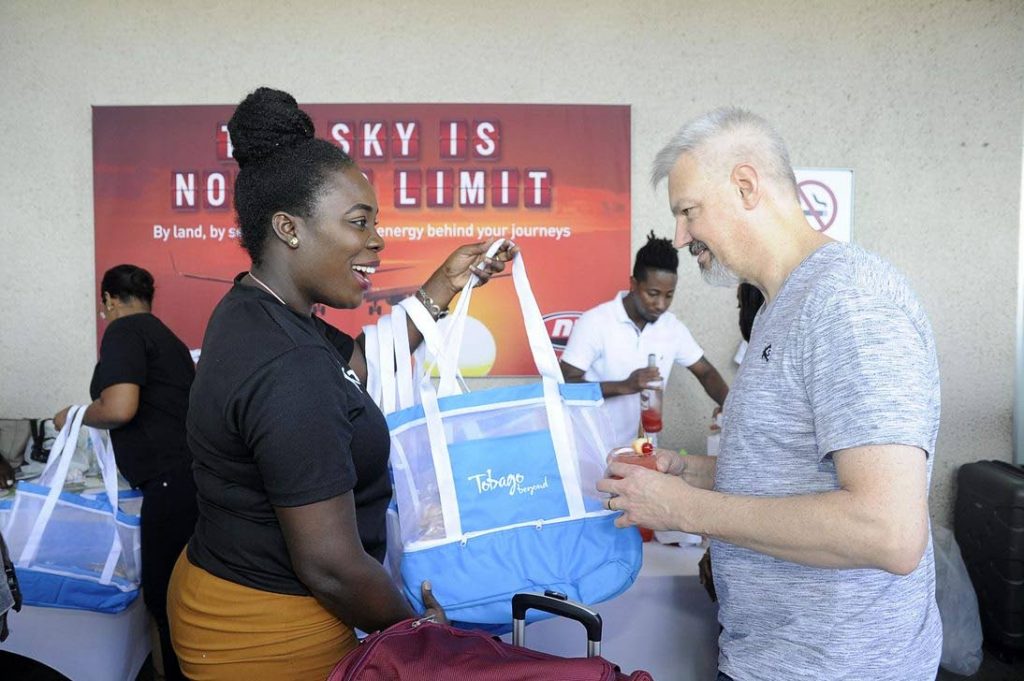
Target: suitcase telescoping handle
557	604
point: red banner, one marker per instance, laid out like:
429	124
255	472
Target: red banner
555	179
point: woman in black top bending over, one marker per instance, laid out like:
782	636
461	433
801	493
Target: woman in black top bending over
140	393
290	451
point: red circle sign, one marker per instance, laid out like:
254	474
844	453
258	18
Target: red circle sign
819	203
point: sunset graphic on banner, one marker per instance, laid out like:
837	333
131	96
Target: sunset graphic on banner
553	178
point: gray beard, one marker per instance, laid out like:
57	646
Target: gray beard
719	275
716	274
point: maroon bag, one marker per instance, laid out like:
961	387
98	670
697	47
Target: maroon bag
422	650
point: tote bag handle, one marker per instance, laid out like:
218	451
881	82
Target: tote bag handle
386	363
391	363
53	462
414	362
374	384
540	344
104	450
404	393
547	366
54	475
438	345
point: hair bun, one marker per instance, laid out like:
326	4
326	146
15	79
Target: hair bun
266	121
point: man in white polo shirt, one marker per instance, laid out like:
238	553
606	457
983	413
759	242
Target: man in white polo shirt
610	343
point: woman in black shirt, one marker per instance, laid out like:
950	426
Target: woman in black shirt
140	393
290	451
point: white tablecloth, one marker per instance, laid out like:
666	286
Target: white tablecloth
81	645
665	623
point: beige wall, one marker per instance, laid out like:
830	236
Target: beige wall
922	99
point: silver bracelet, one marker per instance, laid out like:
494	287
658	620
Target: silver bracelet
433	308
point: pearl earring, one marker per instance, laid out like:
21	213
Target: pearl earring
293	242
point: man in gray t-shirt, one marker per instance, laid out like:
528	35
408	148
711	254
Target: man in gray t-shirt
817	505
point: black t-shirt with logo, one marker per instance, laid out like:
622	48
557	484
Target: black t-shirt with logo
277	418
140	349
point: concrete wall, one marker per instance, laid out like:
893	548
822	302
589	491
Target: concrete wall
922	99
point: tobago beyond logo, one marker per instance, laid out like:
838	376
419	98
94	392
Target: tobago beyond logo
511	483
559	326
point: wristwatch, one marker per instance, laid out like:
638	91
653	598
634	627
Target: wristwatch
433	308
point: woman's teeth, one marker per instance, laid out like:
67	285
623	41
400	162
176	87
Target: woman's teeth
363	273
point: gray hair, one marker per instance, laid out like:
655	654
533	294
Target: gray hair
728	135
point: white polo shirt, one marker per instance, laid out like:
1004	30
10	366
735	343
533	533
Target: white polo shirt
608	346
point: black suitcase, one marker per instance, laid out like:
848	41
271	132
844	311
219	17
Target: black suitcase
989	520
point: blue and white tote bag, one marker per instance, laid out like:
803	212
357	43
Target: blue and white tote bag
495	490
73	550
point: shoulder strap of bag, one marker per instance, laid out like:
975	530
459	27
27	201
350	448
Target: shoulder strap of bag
391	363
386	363
104	451
441	460
58	467
67	441
452	344
540	343
551	375
445	353
403	365
435	344
372	355
547	366
424	322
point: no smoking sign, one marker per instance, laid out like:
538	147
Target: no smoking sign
826	197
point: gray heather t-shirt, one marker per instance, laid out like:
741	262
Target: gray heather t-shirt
843	357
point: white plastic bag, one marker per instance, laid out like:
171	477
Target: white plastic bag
958	607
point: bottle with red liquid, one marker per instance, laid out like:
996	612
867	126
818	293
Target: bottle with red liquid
650	402
644	458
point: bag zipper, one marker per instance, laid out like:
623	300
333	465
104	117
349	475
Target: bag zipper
403	628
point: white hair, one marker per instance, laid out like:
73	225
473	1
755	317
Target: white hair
718	275
727	136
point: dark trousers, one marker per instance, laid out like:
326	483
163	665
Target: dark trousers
169	516
723	677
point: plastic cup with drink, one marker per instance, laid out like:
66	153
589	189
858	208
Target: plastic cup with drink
641	453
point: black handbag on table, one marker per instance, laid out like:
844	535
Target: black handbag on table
41	443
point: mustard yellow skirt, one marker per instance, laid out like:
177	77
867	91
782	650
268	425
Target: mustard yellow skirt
224	631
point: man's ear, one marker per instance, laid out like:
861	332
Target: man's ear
747	182
285	226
